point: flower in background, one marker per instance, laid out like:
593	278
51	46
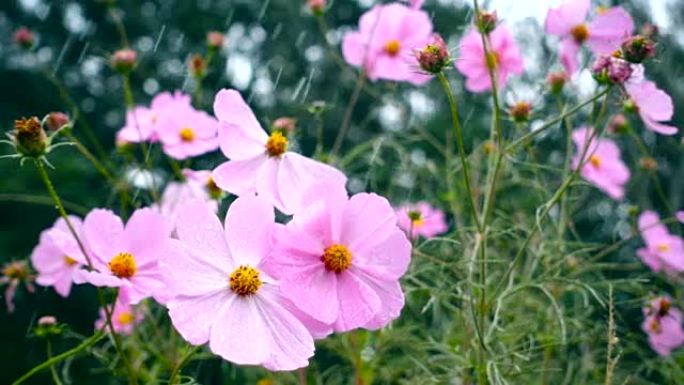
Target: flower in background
141	122
557	80
504	59
124	315
663	251
125	256
285	124
215	40
56	120
58	257
602	165
124	60
385	44
24	37
421	218
13	274
316	6
340	260
663	324
198	185
653	105
260	163
186	132
221	293
680	216
604	34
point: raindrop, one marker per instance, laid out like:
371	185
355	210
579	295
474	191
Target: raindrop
159	37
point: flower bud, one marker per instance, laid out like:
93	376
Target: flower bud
285	124
47	320
556	81
215	40
618	125
197	65
435	56
520	111
609	69
629	106
648	163
318	107
638	48
24	37
487	22
16	270
29	137
56	120
316	6
124	60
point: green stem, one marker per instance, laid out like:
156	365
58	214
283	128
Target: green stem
553	201
346	120
61	357
461	148
566	171
53	368
186	358
554	121
42	200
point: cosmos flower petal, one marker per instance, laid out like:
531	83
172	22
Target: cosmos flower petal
239	177
358	232
311	289
195	316
248	229
239	333
102	231
560	20
202	234
358	302
232	110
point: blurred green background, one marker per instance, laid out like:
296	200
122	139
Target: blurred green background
276	55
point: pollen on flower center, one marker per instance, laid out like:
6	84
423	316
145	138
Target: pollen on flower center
580	33
663	248
337	258
276	144
393	47
69	261
245	280
187	134
125	318
122	265
655	325
595	161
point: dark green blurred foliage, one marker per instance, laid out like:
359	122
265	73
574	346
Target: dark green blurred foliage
278	47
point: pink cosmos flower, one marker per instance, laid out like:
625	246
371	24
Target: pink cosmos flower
653	105
421	219
186	132
663	324
13	274
198	185
663	250
260	163
340	261
603	166
141	122
124	316
57	257
386	42
504	57
604	34
125	256
680	216
222	295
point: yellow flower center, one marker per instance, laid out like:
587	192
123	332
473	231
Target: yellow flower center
245	280
580	33
393	47
663	248
276	144
337	258
125	318
69	261
595	161
655	325
187	134
122	265
416	219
